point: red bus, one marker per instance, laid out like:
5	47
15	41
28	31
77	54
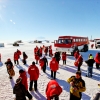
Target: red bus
70	44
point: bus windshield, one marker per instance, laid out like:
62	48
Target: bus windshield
65	41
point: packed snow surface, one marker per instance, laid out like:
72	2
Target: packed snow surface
64	72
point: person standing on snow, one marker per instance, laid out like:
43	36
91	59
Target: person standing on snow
79	62
50	51
54	66
45	63
19	90
10	69
37	57
19	53
33	71
90	63
77	86
24	58
53	90
40	51
57	56
46	50
64	57
23	75
41	62
16	57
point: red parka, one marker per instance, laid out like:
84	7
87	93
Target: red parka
41	62
19	52
16	56
24	79
46	49
33	71
76	55
78	61
40	51
37	57
53	88
35	50
97	58
64	56
50	52
54	66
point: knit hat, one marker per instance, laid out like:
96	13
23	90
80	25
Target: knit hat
21	71
91	57
33	63
19	80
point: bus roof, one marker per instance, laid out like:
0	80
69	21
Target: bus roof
72	37
96	39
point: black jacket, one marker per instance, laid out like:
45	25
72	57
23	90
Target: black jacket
90	62
45	61
20	91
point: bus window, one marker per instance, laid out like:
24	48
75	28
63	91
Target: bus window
73	40
60	41
68	41
65	41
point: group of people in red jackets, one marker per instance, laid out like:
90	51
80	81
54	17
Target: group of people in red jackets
91	60
53	89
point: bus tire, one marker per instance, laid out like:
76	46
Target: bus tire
85	48
72	53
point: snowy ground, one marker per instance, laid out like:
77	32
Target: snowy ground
63	74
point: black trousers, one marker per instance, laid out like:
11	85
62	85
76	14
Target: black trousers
64	62
24	61
55	97
44	68
80	64
53	74
72	97
97	65
36	61
16	61
40	54
28	95
31	85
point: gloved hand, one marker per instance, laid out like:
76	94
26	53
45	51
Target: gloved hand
71	83
75	88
